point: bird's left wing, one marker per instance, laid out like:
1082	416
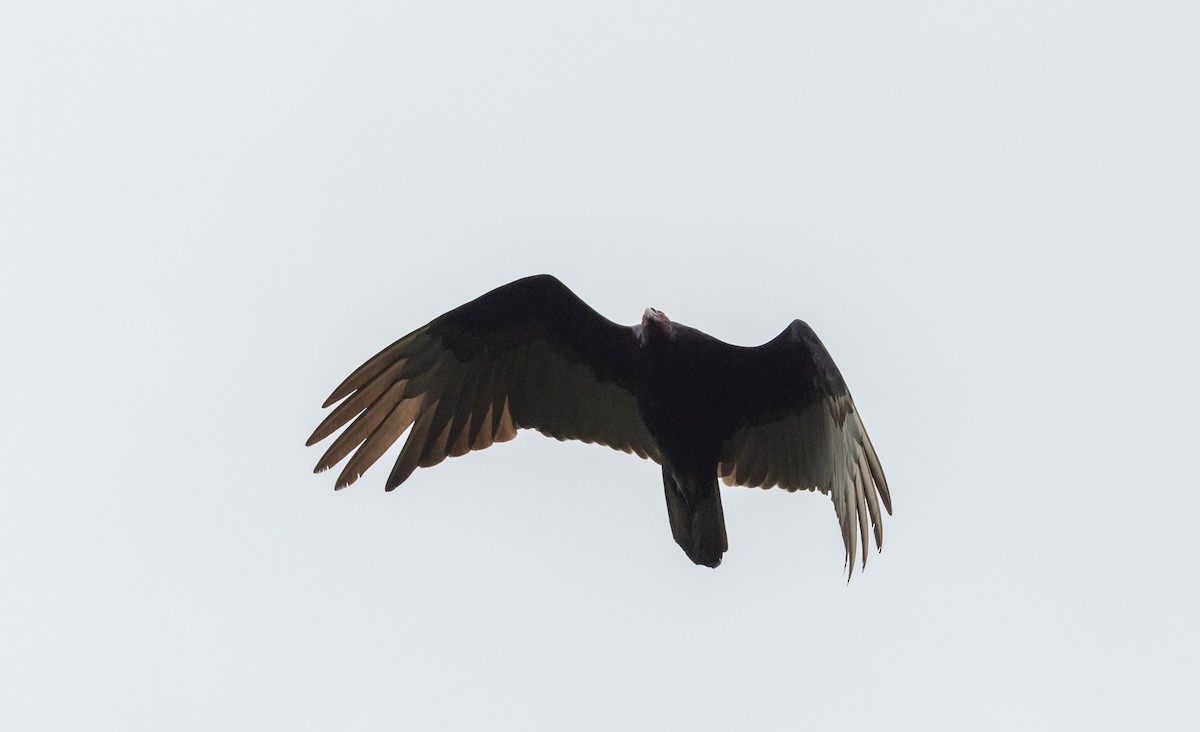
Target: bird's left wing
799	430
529	354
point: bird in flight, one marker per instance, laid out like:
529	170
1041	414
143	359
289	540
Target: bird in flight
532	355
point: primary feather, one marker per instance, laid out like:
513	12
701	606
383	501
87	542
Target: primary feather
532	355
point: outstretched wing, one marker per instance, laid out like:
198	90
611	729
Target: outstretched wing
529	354
799	430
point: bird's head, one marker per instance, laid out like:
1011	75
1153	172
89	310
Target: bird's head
655	324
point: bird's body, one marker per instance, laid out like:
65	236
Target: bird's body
689	419
531	354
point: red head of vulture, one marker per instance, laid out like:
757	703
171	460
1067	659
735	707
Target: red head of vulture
532	355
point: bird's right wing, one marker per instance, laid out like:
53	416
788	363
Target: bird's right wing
529	354
799	430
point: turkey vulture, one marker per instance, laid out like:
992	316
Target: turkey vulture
532	355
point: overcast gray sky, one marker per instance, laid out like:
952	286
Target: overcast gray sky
212	212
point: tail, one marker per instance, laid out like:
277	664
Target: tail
697	520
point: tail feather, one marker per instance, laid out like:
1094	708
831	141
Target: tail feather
697	519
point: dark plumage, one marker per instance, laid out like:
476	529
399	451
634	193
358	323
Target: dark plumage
532	355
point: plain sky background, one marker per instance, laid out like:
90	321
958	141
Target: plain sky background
211	212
